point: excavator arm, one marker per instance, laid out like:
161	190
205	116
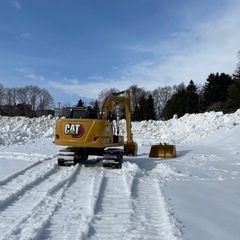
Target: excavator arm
114	101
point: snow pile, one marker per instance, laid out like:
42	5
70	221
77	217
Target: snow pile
20	130
187	129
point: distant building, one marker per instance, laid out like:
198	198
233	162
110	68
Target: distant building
62	111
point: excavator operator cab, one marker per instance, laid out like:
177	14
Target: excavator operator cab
83	112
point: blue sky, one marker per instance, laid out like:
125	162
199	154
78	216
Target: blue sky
77	48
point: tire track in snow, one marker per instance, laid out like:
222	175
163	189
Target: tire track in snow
22	171
151	217
14	185
16	174
114	208
73	216
14	215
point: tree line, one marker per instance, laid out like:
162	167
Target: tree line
221	92
30	101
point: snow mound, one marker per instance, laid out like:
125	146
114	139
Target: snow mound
187	129
180	131
21	130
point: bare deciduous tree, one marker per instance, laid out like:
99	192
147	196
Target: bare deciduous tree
10	96
2	94
33	93
105	93
45	101
29	101
136	94
161	95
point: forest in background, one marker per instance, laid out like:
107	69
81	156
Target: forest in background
221	92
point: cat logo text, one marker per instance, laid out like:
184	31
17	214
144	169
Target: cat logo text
76	130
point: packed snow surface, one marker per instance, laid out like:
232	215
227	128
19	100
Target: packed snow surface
193	196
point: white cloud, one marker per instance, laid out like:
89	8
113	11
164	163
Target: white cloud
30	74
27	35
71	81
138	48
210	47
25	70
86	89
16	4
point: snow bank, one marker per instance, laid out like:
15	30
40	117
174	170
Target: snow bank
21	130
187	129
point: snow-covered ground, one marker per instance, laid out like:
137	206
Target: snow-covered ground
195	196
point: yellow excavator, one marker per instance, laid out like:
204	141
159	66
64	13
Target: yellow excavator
85	132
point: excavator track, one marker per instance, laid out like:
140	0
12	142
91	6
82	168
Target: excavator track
70	156
112	158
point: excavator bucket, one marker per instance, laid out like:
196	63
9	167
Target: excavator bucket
162	151
130	149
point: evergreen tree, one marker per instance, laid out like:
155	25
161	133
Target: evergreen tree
169	109
149	108
177	103
146	110
192	98
136	116
80	103
96	106
216	89
136	94
234	89
142	108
